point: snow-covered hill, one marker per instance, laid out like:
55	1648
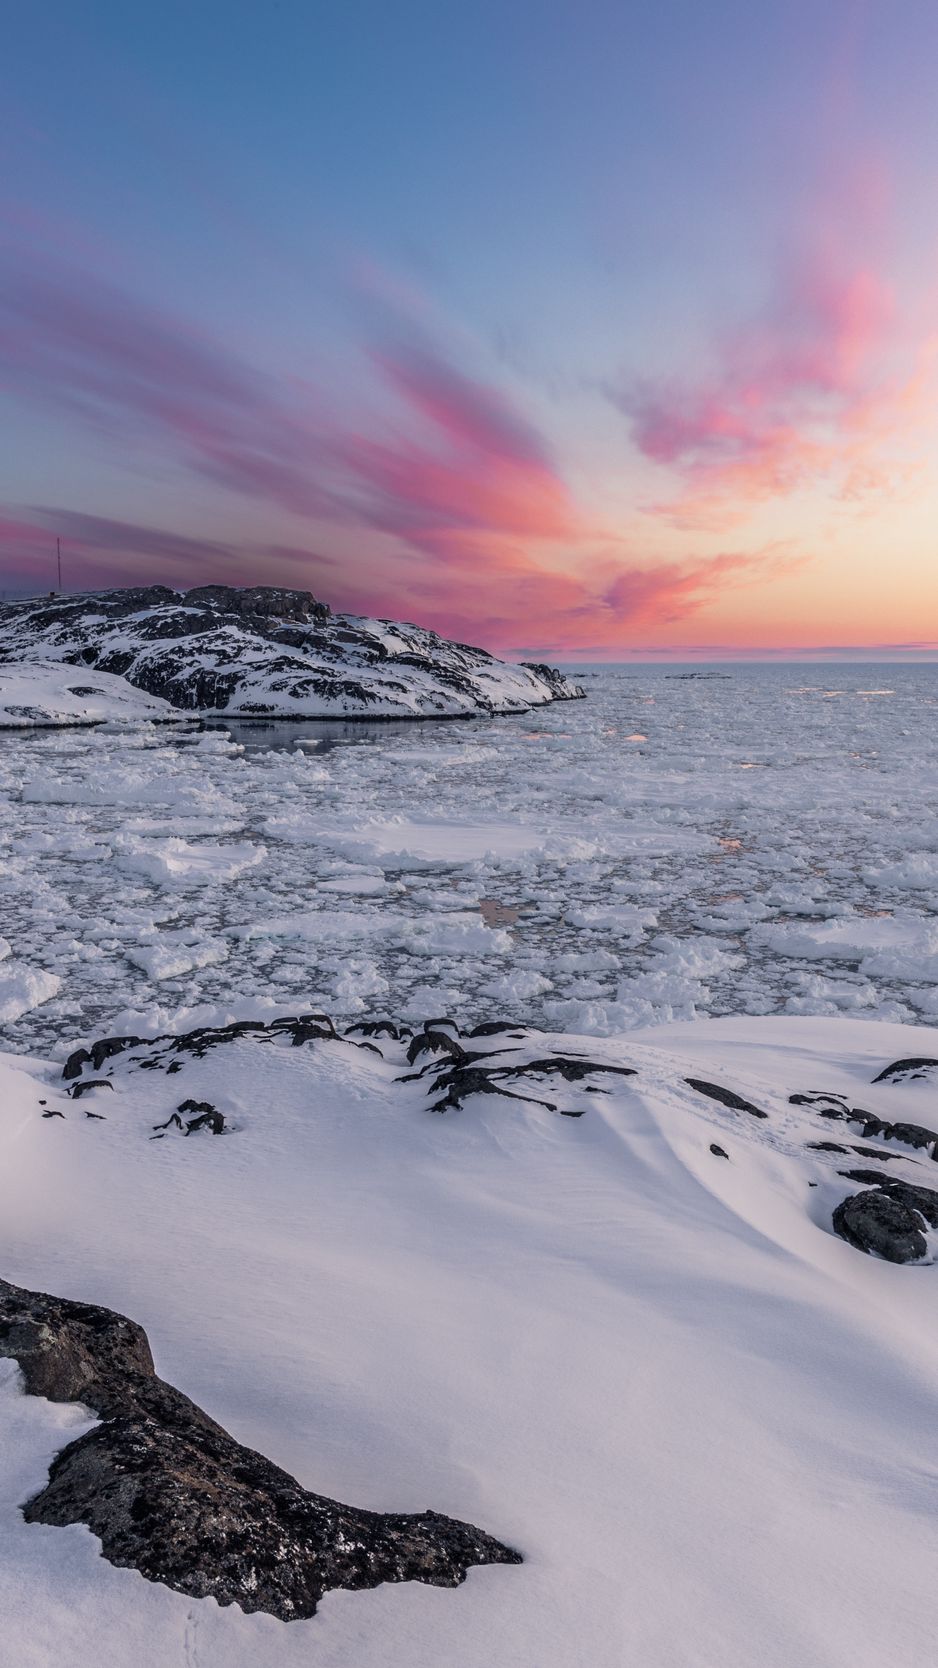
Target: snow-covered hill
47	695
267	652
599	1297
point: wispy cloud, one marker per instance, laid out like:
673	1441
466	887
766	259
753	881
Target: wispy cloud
480	534
102	551
71	342
540	612
822	386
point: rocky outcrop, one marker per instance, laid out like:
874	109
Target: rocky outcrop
835	1108
268	652
907	1071
450	1067
171	1494
888	1220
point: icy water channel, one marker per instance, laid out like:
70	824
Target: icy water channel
752	839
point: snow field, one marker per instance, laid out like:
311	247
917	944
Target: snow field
701	1416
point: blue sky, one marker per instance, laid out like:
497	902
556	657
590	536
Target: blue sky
281	287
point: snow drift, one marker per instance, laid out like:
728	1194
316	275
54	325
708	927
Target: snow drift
47	695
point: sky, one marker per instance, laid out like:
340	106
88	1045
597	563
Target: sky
581	331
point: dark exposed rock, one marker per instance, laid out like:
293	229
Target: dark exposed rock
906	1071
104	1049
718	1152
549	675
300	1029
206	1116
307	1028
493	1028
171	1494
880	1226
911	1135
198	1042
866	1178
887	1219
374	1028
172	1122
826	1147
570	1067
78	1089
53	1114
726	1097
469	1078
837	1108
435	1042
836	1102
464	1081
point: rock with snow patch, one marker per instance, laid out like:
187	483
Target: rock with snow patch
887	1220
269	652
169	1493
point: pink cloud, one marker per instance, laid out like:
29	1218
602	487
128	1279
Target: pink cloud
74	343
486	540
523	609
812	390
71	342
470	414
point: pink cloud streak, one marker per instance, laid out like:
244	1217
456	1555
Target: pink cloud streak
809	392
486	539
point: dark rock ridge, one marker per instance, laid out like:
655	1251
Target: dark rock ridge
726	1097
835	1108
171	1494
452	1072
266	651
467	1077
499	1058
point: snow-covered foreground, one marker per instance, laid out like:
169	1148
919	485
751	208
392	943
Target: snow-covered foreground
704	1419
761	841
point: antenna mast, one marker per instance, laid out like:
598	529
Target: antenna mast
58	558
